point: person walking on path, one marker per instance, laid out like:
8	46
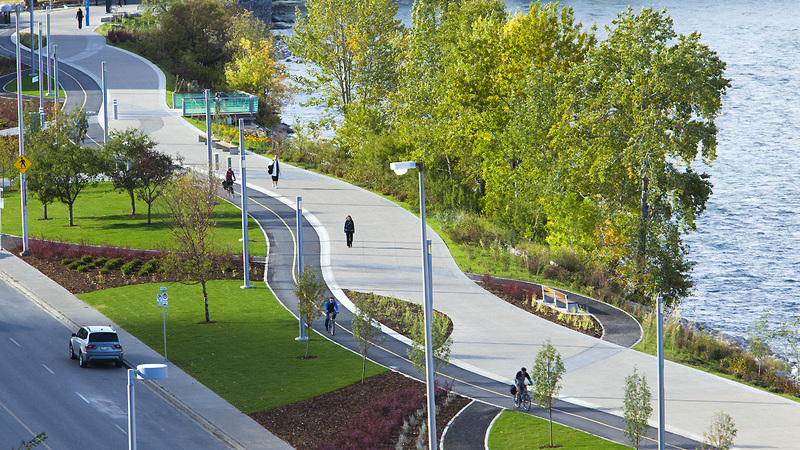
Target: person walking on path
274	169
349	230
79	15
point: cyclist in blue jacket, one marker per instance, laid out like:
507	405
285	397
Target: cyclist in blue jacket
331	310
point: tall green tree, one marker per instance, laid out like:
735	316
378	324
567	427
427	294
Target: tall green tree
546	376
636	408
640	114
255	70
62	169
351	48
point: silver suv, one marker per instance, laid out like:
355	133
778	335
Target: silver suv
95	343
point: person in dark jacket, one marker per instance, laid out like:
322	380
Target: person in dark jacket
79	16
349	230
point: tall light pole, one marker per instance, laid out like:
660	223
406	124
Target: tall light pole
401	168
105	102
23	182
245	239
661	418
142	372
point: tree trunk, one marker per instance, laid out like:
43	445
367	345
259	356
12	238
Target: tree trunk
550	410
133	202
44	206
364	368
205	298
149	208
308	339
69	206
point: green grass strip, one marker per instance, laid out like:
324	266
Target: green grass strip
249	356
31	88
102	216
514	430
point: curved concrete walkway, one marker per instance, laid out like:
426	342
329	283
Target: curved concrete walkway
490	336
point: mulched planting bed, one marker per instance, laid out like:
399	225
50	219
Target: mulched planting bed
318	422
91	280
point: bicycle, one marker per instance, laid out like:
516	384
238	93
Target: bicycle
523	399
228	186
331	326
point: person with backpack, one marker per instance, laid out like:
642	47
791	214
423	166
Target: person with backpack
274	169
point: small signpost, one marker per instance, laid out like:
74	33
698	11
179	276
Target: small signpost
163	301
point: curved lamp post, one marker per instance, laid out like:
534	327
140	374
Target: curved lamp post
142	372
401	168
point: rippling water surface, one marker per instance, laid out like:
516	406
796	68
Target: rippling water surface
747	246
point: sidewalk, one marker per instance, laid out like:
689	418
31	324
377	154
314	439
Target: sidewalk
490	336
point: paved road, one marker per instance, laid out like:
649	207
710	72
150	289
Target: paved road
43	390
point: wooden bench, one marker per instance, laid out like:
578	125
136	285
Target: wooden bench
202	138
226	147
556	296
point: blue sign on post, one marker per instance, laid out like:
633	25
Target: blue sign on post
86	10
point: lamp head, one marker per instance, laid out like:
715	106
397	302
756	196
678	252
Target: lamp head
401	168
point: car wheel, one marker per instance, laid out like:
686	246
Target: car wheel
83	361
71	352
118	363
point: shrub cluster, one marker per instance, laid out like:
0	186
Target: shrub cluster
122	35
516	290
699	348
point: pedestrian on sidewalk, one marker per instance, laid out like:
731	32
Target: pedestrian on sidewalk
274	169
349	230
79	15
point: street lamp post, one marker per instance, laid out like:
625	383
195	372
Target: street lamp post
23	182
401	168
245	239
661	412
142	372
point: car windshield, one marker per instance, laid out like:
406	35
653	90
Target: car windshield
103	337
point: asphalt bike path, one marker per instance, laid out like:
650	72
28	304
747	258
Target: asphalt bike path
491	338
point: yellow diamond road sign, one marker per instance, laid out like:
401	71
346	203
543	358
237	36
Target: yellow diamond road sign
22	164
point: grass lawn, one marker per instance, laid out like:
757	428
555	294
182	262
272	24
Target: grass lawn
515	430
102	216
249	356
32	88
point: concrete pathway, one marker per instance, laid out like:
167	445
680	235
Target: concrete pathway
490	336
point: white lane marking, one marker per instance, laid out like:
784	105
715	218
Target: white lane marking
12	340
120	429
48	369
84	398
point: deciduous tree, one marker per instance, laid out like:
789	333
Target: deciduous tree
351	46
63	168
188	204
721	432
441	342
254	69
308	290
641	114
546	376
366	330
636	407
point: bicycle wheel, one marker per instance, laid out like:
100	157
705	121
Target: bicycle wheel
526	402
517	400
333	327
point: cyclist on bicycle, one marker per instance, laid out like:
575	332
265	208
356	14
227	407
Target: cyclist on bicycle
519	380
230	177
331	310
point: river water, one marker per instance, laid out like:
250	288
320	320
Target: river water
747	246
